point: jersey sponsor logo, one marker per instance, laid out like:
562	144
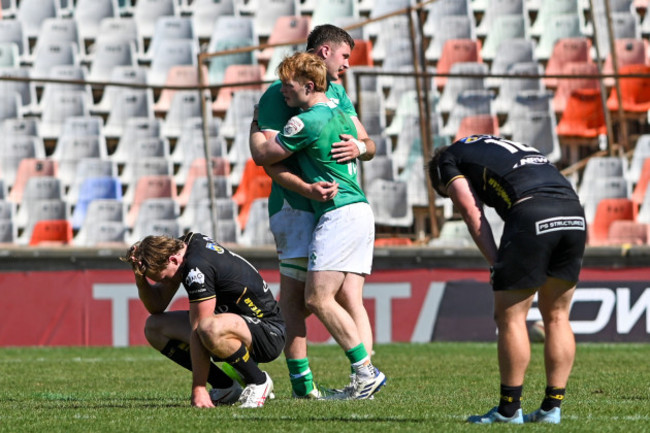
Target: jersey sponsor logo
194	276
214	247
500	191
293	126
254	308
559	223
532	160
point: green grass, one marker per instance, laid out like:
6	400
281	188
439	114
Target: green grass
431	387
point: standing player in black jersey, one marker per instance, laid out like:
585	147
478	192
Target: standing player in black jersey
233	316
540	251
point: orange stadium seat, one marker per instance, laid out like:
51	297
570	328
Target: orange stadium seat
608	211
362	53
583	115
237	74
58	232
27	168
220	167
156	186
635	91
567	50
457	50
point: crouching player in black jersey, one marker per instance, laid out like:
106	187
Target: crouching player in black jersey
233	316
540	251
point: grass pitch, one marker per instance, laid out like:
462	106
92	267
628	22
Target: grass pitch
431	387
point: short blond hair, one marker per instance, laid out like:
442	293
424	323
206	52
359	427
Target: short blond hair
303	67
151	254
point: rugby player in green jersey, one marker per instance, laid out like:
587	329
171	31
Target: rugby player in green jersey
341	248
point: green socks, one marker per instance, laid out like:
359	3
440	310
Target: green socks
302	379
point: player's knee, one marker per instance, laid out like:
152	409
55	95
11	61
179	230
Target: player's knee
208	330
153	329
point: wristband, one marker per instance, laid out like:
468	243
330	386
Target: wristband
360	145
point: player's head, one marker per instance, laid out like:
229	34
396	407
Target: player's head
332	44
302	75
150	256
434	172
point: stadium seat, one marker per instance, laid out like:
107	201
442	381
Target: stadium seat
453	233
258	230
626	232
325	11
186	104
166	28
178	76
25	90
147	12
372	112
506	27
641	185
268	13
146	187
94	188
552	8
8	232
51	232
32	13
608	211
511	87
14	149
59	30
188	173
389	203
415	177
539	130
601	188
200	190
628	52
205	13
565	51
583	115
479	124
391	31
63	73
20	127
635	91
255	186
156	210
191	144
169	228
469	103
558	27
237	74
439	11
136	128
408	136
128	104
565	86
104	224
88	15
510	52
119	74
380	167
61	105
456	51
11	31
70	150
28	168
9	55
624	25
38	210
457	27
106	55
10	106
89	168
122	29
50	54
239	113
287	28
497	9
362	53
134	170
169	53
456	85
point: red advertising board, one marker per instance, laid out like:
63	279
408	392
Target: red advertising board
101	308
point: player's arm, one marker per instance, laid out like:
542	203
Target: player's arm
155	297
199	354
471	209
317	191
350	148
265	149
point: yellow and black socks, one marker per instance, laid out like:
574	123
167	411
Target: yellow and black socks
553	397
242	362
179	352
302	379
510	401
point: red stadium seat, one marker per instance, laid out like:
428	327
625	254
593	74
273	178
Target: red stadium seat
623	232
362	53
566	50
480	124
457	50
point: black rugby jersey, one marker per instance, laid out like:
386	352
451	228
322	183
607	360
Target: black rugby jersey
209	270
502	172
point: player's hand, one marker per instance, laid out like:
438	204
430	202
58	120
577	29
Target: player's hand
201	398
323	191
345	150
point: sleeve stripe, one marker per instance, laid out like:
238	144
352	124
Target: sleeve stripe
202	299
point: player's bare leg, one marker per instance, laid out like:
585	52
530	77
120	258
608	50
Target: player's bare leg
350	297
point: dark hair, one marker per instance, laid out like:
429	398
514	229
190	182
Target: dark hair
328	33
434	171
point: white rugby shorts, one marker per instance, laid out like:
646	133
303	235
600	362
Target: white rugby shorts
292	230
344	240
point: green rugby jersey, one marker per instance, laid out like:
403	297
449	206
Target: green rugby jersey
272	115
310	135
